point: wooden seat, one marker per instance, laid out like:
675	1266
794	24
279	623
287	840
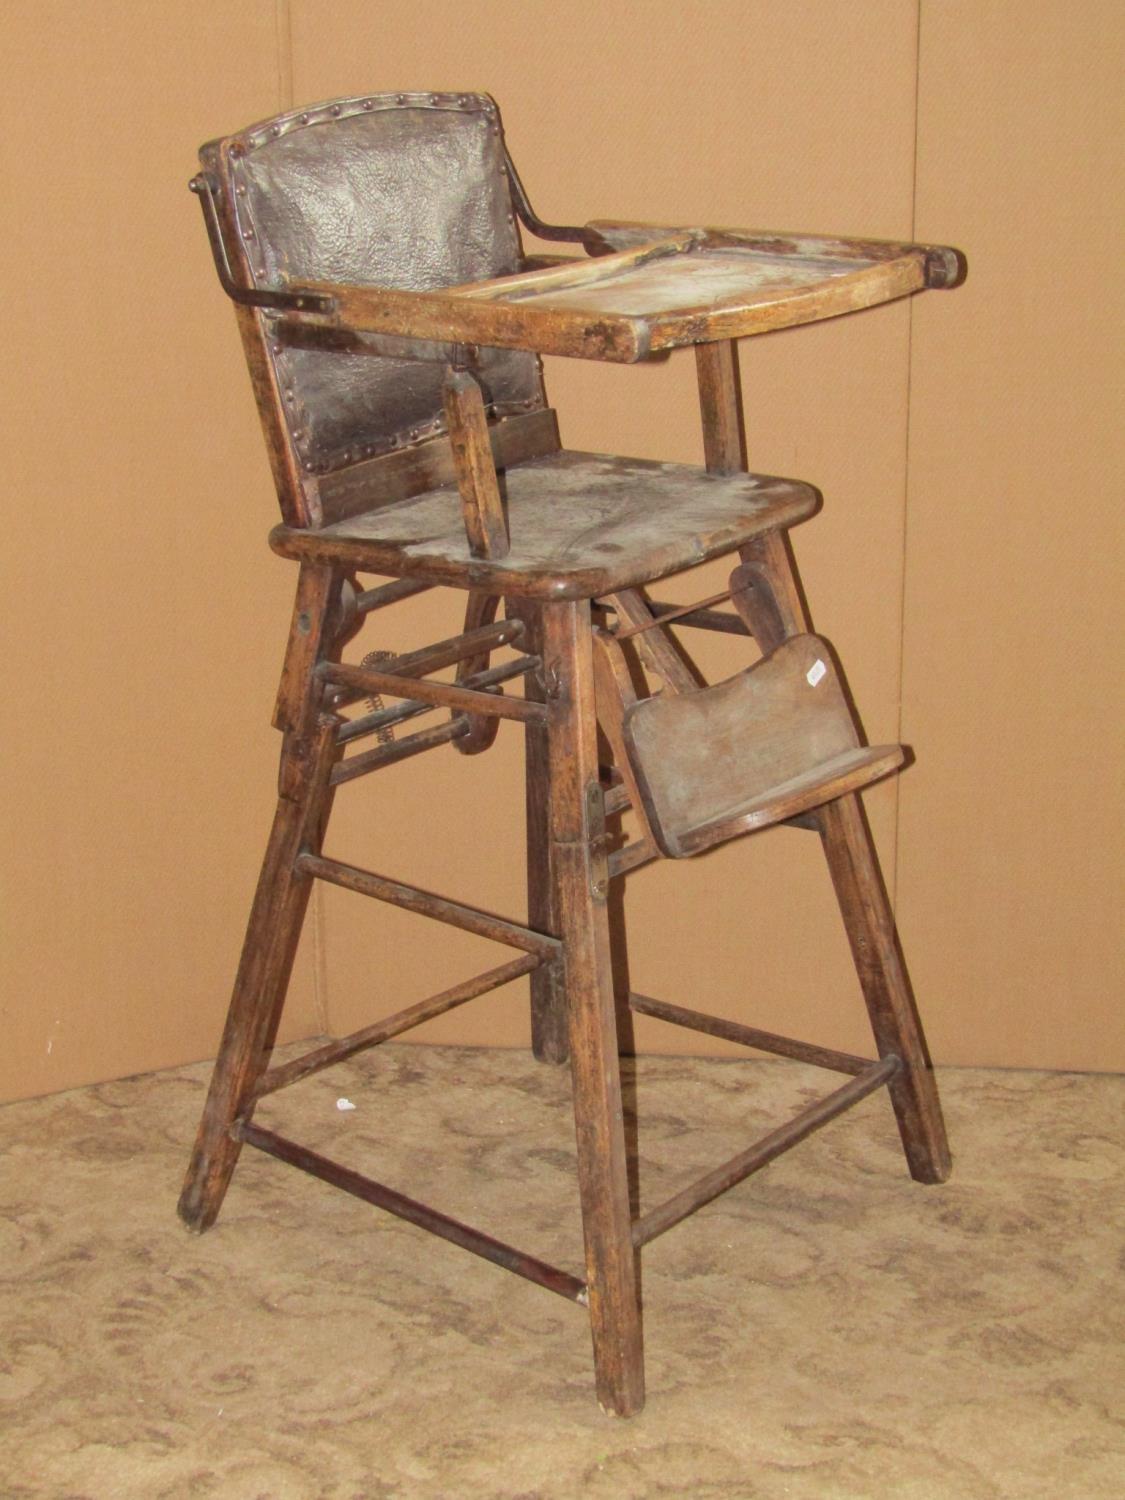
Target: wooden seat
392	324
579	524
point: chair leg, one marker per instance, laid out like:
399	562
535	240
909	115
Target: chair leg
870	926
772	603
548	1000
260	987
309	751
579	863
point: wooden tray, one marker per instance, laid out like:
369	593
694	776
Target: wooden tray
661	290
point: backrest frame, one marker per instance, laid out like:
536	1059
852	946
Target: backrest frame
459	135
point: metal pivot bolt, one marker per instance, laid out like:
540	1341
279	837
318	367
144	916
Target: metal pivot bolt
596	838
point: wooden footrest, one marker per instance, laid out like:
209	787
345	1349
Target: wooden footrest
761	747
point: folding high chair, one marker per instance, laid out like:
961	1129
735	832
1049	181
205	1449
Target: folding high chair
392	326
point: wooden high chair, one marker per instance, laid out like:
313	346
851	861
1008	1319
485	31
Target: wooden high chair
392	326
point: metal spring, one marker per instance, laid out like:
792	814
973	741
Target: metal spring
386	733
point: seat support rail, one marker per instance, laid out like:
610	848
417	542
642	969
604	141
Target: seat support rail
496	1251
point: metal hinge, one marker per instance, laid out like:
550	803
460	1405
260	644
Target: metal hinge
206	188
597	841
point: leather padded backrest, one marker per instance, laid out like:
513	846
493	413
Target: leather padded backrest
399	190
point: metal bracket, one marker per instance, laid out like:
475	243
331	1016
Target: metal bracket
527	215
597	840
207	189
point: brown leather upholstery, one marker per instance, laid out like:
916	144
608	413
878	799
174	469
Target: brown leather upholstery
398	190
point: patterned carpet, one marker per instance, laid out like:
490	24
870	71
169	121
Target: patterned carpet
828	1329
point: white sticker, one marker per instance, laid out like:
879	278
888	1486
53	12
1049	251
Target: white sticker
815	672
344	1104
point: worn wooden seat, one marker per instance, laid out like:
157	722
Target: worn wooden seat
579	525
392	325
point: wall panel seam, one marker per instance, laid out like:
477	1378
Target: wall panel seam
283	30
283	36
906	476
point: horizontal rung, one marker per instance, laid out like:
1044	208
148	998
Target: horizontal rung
389	593
617	800
355	729
404	1020
739	1167
426	904
363	681
421	663
444	653
699	618
664	614
632	857
420	1214
386	755
749	1036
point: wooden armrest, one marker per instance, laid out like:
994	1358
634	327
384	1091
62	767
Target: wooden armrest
449	317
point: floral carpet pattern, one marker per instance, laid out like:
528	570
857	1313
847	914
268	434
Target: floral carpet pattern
827	1329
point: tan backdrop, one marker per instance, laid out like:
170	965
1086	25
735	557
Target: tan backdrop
968	447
